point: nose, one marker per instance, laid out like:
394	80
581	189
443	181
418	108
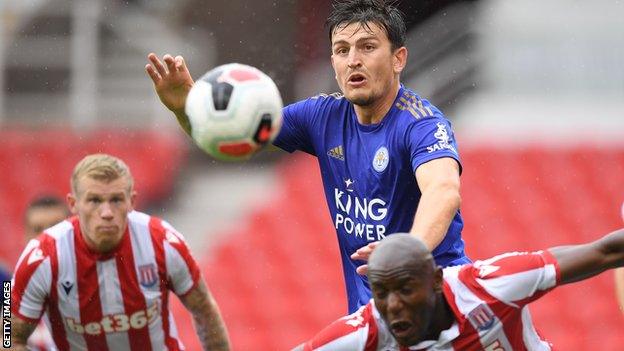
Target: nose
354	59
395	304
106	212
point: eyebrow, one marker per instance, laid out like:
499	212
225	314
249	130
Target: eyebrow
366	38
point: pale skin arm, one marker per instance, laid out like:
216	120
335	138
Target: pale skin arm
20	331
619	287
209	325
172	82
438	181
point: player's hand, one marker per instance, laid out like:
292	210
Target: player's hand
363	253
172	80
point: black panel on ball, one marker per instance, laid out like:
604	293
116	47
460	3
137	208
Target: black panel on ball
263	133
221	91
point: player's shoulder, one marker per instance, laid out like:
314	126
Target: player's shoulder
331	100
46	241
414	109
156	227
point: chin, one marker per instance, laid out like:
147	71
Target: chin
360	99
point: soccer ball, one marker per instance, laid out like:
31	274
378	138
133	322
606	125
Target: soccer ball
234	110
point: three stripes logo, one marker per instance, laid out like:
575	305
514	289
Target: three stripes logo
336	152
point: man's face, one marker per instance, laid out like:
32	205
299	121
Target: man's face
365	65
102	208
40	218
406	302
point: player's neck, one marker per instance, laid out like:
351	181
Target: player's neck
374	113
443	318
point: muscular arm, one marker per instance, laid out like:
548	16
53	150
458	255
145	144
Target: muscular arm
438	181
20	331
208	323
578	262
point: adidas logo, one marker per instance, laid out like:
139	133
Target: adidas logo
336	152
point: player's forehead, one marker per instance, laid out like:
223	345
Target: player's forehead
388	277
88	186
352	32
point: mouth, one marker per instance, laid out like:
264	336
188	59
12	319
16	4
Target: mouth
107	229
401	329
356	80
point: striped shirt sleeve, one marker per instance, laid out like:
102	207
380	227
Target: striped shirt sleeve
355	332
516	278
31	283
183	271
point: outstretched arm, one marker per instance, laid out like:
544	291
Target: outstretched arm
172	82
619	287
208	323
578	262
20	331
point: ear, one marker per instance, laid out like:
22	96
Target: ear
438	280
399	59
71	203
133	196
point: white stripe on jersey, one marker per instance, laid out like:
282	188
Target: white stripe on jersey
110	293
529	334
178	271
68	303
37	288
466	302
143	252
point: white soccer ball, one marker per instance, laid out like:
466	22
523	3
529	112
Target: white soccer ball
234	110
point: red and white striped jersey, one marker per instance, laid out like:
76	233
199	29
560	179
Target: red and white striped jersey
117	301
489	301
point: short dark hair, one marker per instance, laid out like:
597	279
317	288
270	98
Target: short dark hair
46	201
382	13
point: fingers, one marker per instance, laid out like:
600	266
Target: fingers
180	65
170	62
160	68
152	73
362	270
364	252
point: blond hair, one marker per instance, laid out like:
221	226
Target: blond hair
101	167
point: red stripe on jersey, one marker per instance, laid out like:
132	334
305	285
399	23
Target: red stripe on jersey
345	326
88	289
509	316
23	274
373	333
54	315
157	232
468	335
133	298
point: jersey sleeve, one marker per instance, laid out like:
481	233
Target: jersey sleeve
516	278
429	139
294	134
31	283
182	269
355	332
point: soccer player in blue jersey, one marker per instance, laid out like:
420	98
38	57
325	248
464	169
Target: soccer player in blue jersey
388	158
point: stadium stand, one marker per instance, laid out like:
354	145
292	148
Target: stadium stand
278	279
34	162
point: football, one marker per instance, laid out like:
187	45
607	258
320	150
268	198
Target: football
234	110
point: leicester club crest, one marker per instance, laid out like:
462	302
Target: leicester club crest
381	159
148	275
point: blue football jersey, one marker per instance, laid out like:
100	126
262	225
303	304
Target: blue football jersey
368	172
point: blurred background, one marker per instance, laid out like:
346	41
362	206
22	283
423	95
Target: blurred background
535	91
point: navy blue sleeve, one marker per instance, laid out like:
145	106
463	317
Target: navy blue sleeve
429	139
295	131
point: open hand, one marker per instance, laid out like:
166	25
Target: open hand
363	253
172	80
